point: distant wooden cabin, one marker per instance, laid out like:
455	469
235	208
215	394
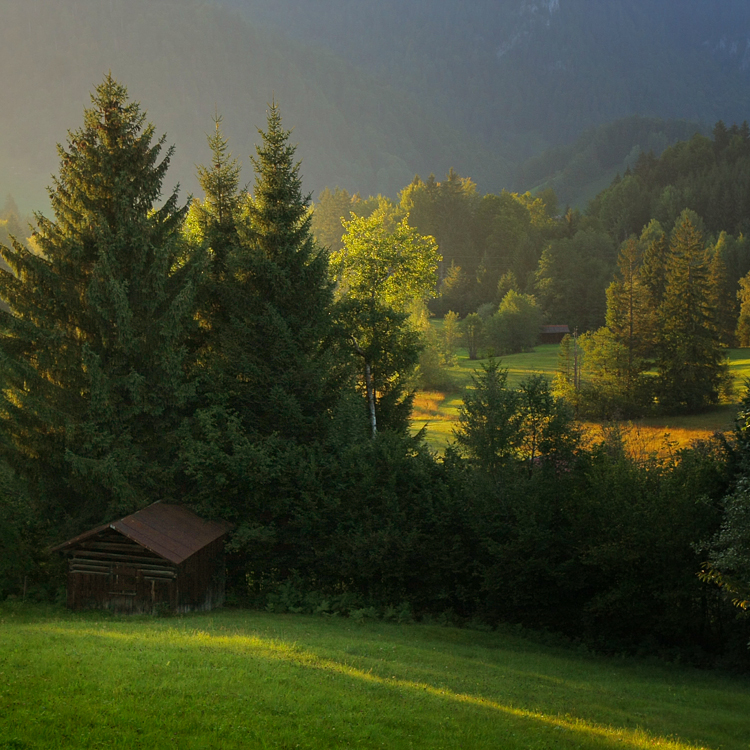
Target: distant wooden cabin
553	334
162	557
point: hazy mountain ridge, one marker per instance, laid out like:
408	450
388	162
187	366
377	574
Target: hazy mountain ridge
184	61
530	15
375	92
696	25
525	74
734	50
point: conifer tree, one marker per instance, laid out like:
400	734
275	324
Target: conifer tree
285	380
723	296
743	323
456	292
654	245
629	319
691	361
11	224
489	420
212	225
217	215
92	349
721	137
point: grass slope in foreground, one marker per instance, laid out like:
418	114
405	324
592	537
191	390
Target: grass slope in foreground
238	679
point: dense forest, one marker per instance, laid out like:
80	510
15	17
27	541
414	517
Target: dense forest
211	352
671	229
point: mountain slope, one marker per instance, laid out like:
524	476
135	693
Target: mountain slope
376	92
577	172
522	74
183	61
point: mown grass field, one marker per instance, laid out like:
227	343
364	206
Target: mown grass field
437	412
243	679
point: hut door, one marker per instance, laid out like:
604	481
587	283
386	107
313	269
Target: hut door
124	580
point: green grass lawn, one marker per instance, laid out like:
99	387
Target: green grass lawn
243	679
739	366
437	413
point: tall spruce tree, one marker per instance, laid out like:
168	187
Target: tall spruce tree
212	226
278	348
691	362
217	215
267	366
654	244
92	348
630	321
743	323
723	292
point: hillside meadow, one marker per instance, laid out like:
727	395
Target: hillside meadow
437	412
244	679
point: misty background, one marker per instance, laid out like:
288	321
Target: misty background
516	94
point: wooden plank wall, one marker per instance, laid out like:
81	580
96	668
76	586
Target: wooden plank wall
112	572
201	579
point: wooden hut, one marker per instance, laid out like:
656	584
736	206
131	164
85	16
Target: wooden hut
553	334
162	557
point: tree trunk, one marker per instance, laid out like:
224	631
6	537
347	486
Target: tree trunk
369	387
371	399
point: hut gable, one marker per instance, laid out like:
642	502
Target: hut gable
163	556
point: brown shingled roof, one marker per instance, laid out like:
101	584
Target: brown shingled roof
170	531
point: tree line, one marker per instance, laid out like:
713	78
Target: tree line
623	272
212	353
678	299
495	244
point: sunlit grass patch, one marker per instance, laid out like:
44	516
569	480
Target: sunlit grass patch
427	405
438	413
248	679
643	440
542	360
657	435
739	366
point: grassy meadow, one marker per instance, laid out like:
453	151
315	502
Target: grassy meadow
239	679
437	412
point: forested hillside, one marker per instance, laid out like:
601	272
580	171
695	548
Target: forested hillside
709	175
523	74
578	171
